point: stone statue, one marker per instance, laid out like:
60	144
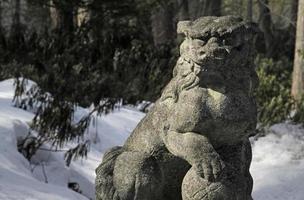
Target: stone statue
193	145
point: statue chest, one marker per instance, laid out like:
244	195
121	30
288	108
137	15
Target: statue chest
204	110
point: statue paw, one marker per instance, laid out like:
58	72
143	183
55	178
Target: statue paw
194	187
210	168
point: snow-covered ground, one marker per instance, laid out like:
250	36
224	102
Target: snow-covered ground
277	167
278	164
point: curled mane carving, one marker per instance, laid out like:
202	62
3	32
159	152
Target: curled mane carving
185	77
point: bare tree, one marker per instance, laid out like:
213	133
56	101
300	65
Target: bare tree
199	8
298	67
266	25
182	10
215	8
62	14
2	39
294	10
162	24
164	17
0	15
249	10
16	17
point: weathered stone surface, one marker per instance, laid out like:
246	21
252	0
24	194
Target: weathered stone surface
193	144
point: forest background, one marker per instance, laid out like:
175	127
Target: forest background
107	53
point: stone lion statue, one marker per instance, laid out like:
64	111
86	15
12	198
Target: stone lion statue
193	145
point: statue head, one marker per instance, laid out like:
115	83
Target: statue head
214	40
217	51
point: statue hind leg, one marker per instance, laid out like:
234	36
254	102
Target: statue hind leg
104	176
137	176
127	175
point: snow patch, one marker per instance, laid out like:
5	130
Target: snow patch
278	164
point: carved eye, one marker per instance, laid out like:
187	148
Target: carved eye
227	42
224	42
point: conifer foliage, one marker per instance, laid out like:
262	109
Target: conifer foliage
109	58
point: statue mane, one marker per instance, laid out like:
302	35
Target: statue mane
185	76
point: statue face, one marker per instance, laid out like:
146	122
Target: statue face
221	60
216	41
215	51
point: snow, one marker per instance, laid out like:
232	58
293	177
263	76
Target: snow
277	165
21	180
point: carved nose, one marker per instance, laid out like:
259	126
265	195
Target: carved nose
212	44
214	48
212	40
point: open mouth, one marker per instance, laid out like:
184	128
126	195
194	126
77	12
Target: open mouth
218	52
211	78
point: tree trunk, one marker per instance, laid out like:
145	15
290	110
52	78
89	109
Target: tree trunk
0	15
182	10
162	25
294	11
249	10
292	27
54	16
16	39
16	28
2	38
214	8
16	17
298	67
266	26
199	8
63	15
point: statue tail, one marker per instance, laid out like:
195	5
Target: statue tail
104	176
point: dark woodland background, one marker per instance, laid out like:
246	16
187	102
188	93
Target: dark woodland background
107	53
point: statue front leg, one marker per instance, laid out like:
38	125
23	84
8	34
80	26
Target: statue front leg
197	151
205	179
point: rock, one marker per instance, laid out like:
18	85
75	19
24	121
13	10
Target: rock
193	144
